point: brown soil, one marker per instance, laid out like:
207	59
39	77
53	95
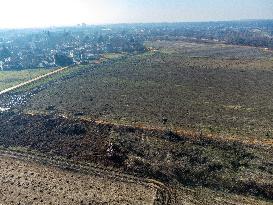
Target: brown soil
30	183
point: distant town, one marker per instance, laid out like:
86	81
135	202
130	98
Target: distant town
62	47
82	44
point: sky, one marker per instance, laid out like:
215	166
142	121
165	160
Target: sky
44	13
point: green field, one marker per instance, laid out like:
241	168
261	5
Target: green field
12	78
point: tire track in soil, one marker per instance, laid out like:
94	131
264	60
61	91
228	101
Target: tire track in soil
164	194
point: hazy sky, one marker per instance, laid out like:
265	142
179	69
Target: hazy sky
39	13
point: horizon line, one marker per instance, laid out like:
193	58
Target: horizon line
129	23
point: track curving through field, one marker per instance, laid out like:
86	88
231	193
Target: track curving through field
164	193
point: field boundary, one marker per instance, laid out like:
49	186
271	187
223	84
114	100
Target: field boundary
182	133
191	135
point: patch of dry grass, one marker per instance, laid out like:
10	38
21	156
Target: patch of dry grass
12	78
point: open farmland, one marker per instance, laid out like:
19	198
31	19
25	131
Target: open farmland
209	49
25	182
197	120
175	160
204	94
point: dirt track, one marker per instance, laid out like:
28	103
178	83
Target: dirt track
33	183
31	81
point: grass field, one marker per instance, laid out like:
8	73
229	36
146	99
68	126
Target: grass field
210	95
211	50
12	78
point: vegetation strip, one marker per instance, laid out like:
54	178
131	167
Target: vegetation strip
194	135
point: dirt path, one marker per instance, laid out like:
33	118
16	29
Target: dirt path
32	80
23	174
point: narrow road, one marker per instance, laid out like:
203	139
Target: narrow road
31	81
